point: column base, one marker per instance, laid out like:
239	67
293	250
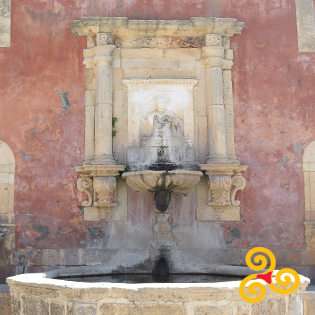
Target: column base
103	160
218	160
88	160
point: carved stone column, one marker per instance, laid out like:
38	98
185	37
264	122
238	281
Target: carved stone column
89	105
103	100
97	175
213	54
222	168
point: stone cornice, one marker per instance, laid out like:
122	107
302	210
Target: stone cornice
124	28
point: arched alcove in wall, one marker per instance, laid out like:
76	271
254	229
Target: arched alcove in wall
7	216
309	193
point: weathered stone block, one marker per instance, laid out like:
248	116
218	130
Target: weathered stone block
269	306
80	309
5	301
187	63
52	257
150	63
89	78
182	53
310	234
202	138
31	306
15	304
116	58
89	97
126	309
72	257
213	310
142	53
118	75
242	308
229	54
173	73
57	308
295	305
141	73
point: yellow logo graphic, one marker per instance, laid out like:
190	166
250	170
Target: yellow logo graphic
283	281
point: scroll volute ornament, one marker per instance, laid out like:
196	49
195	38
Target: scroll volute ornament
85	184
224	182
223	188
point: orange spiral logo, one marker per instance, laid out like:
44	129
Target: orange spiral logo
256	289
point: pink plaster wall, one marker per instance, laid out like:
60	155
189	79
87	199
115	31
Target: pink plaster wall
274	115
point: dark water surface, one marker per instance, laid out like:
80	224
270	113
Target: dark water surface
149	278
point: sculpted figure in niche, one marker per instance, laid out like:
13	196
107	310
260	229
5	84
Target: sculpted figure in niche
161	122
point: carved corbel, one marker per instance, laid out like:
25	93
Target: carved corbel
224	181
101	191
99	183
219	190
223	188
104	191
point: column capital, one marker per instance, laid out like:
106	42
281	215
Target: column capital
89	62
104	39
213	40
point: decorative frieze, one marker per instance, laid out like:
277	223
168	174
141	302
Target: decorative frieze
160	42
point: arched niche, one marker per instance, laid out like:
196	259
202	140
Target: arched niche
7	217
309	193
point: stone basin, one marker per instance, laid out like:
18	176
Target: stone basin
42	293
163	183
180	181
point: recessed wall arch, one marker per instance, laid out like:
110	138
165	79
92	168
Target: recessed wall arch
309	193
7	216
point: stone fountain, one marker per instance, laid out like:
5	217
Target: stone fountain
159	102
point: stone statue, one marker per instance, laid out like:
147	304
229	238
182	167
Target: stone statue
162	123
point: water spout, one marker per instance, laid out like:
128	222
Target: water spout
160	273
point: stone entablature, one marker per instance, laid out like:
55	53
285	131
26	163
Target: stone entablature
132	68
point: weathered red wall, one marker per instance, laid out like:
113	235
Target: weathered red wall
274	116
